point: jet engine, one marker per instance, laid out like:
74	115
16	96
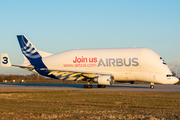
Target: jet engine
104	80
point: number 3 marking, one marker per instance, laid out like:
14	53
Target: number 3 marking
5	60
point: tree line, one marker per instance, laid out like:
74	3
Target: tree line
22	77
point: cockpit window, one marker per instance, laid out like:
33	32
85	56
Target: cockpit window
169	75
162	61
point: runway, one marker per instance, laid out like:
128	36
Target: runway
79	87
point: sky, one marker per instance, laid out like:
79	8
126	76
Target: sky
59	25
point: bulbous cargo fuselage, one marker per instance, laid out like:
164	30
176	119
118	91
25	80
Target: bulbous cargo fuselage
124	64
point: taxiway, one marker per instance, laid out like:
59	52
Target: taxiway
79	87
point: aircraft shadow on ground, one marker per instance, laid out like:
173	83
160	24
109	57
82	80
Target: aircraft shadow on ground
71	85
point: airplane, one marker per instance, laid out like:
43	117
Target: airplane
102	66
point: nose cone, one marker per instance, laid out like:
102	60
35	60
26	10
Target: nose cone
175	80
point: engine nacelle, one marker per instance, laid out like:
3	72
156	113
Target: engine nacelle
104	80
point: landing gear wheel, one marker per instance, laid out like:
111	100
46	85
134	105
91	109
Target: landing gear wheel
101	86
88	86
85	86
152	86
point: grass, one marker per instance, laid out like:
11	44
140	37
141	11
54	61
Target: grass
43	104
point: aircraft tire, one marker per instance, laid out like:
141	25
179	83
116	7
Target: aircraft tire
98	86
85	86
88	86
101	86
152	86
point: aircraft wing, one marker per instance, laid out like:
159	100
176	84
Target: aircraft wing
74	74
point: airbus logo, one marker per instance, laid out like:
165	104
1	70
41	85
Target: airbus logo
118	62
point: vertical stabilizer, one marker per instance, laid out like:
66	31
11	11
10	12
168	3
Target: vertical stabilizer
31	53
5	62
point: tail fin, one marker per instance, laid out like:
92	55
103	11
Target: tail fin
33	55
5	62
29	51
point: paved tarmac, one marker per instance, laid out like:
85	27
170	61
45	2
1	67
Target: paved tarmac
79	87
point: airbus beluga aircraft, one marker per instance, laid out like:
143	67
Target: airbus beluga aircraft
102	66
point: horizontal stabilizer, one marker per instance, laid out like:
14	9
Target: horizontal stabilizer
30	67
22	66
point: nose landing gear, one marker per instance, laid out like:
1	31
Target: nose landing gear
152	86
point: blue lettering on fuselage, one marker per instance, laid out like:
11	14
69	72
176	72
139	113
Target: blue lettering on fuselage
118	62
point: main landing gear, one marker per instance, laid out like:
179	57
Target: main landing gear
88	85
91	86
152	86
101	86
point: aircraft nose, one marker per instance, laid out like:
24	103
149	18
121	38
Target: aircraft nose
176	80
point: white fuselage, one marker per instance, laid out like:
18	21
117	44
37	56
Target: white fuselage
124	64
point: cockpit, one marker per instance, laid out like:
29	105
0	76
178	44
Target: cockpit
162	61
169	75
